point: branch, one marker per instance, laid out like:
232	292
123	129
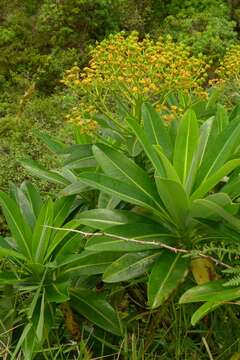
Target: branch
155	243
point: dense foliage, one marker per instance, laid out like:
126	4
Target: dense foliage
119	190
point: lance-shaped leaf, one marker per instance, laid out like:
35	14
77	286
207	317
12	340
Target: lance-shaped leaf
214	179
212	290
35	169
96	309
42	232
171	173
62	208
88	262
106	201
118	188
33	196
185	144
76	152
156	132
58	292
75	188
205	131
85	163
61	236
118	166
131	237
201	207
222	119
19	228
53	144
168	272
130	266
203	310
24	205
175	200
106	218
219	151
147	147
4	252
8	277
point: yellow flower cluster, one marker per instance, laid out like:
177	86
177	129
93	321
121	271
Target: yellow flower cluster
229	68
87	126
227	76
125	68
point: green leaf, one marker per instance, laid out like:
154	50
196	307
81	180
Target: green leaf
53	144
133	232
106	218
147	147
118	166
213	291
156	132
74	188
214	179
33	196
62	208
61	236
232	188
171	173
168	272
84	163
42	233
215	94
58	292
96	309
203	205
27	328
77	152
118	188
20	230
107	201
35	169
205	131
25	206
175	200
40	324
88	262
221	118
203	310
219	151
4	252
129	266
72	245
8	277
133	146
185	144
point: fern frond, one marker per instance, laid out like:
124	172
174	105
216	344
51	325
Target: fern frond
235	281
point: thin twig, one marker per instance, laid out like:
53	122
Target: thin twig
207	348
142	242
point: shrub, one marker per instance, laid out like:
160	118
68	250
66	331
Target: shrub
175	183
204	25
75	22
18	136
43	268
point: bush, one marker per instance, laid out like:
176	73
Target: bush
75	22
206	26
19	140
